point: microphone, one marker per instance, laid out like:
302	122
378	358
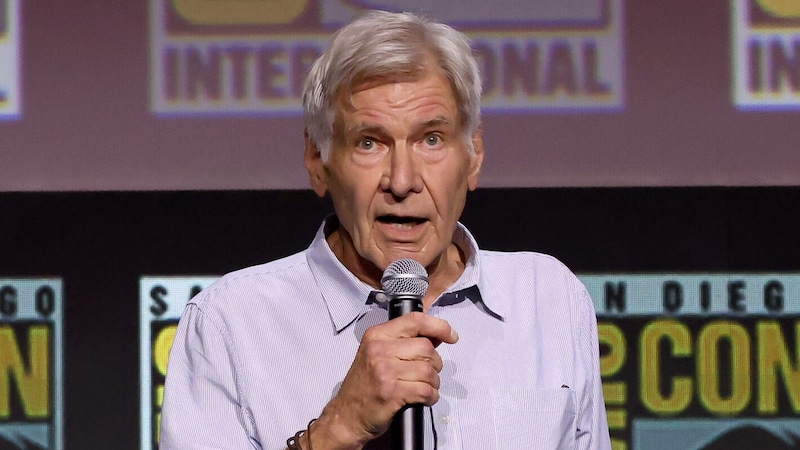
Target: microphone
405	282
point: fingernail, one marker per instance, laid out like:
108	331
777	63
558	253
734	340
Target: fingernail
453	335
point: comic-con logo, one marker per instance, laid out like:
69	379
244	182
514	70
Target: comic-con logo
766	43
31	364
244	56
710	360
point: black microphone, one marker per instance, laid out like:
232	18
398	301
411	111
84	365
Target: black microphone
405	282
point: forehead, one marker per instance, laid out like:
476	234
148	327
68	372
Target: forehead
429	94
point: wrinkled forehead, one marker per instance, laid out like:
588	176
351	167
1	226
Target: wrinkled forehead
344	99
345	105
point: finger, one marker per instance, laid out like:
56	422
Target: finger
417	349
420	372
416	392
402	350
419	324
399	382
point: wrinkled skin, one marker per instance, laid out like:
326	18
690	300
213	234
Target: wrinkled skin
398	175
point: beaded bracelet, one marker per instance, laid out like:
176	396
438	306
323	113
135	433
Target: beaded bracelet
293	443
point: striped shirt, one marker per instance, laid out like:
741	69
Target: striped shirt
262	351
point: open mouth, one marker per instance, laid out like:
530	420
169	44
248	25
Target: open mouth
401	221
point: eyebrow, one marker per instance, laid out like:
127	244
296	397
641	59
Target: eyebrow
373	128
365	128
438	121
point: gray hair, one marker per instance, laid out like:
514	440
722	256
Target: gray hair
389	46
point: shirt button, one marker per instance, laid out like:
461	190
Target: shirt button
444	419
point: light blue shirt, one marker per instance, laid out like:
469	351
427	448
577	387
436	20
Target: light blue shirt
262	351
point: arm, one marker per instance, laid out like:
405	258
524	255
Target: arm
202	408
592	433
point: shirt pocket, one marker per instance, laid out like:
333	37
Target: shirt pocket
534	418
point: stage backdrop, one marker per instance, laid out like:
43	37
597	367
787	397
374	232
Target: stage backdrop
148	147
202	94
697	292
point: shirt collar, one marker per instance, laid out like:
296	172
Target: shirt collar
346	296
470	285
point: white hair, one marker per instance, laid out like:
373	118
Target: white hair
389	46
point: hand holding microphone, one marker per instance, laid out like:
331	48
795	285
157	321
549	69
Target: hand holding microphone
396	365
405	283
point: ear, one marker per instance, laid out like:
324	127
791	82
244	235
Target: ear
476	159
315	166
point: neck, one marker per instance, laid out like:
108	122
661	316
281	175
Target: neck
442	272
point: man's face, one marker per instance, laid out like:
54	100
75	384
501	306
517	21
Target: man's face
398	173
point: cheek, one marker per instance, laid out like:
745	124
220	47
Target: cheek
352	200
450	194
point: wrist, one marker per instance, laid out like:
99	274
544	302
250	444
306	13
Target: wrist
330	432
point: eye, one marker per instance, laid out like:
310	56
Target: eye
433	140
366	144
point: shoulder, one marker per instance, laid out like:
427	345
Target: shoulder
286	266
526	264
527	280
254	284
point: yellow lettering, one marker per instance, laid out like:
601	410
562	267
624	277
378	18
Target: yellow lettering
617	419
611	336
157	419
708	373
786	9
240	12
650	364
774	357
158	427
159	395
162	346
615	393
33	384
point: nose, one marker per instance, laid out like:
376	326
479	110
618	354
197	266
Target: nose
402	175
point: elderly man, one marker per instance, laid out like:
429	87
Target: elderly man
393	135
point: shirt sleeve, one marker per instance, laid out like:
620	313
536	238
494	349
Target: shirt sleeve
202	407
592	432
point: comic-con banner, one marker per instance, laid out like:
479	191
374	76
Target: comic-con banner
241	56
10	105
766	54
688	361
162	302
31	365
701	361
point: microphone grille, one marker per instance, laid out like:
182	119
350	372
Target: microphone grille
405	276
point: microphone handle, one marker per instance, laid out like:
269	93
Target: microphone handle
408	424
403	304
